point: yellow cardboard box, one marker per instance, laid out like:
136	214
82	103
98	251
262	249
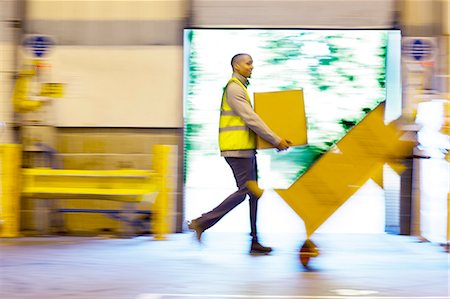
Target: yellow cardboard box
284	113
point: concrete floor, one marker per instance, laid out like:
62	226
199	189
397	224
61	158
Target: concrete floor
349	266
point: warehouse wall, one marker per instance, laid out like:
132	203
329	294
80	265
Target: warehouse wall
125	94
121	66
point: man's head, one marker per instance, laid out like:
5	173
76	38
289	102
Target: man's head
242	64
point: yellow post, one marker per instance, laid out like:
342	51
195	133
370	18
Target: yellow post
160	217
10	155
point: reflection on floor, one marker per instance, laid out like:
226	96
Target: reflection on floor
349	266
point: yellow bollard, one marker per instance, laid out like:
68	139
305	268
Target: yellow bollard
160	217
10	155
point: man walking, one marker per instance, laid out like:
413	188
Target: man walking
238	127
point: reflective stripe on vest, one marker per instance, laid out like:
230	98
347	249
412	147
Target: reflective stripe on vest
233	133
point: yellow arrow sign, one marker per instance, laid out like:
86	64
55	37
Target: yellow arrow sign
338	174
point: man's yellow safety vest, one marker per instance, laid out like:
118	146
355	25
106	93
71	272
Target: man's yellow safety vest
233	132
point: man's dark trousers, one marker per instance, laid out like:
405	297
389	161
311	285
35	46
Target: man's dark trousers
244	169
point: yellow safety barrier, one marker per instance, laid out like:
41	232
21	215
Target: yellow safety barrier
10	155
127	185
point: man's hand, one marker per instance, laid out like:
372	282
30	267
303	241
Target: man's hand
284	144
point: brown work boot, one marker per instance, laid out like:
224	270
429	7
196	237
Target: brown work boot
195	226
257	248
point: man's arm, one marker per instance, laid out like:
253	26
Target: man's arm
236	98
